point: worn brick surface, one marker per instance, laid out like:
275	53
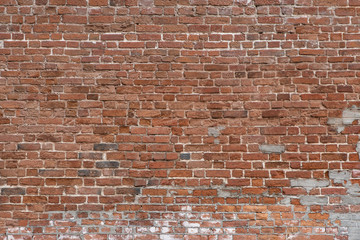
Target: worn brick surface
179	119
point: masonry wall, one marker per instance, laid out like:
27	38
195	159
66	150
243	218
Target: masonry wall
179	119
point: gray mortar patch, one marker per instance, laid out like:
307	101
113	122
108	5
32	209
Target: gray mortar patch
339	176
354	189
350	224
309	184
270	148
358	147
350	200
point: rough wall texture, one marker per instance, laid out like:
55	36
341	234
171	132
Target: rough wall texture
173	119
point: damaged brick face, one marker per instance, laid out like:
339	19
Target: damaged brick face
180	119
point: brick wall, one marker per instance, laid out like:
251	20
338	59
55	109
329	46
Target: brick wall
179	119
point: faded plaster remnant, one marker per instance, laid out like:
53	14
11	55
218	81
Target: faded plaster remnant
348	117
286	201
224	193
309	184
270	148
215	131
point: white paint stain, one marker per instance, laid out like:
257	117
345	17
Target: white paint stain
165	230
13	230
68	237
229	230
153	229
186	208
243	2
193	230
168	237
190	224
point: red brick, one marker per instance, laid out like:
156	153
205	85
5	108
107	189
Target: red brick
144	118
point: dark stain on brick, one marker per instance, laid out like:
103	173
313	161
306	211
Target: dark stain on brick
88	173
105	130
137	190
41	2
52	73
105	146
117	2
13	191
89	67
97	28
124	26
153	182
324	89
90	155
217	114
4	121
235	114
274	113
240	74
128	191
345	88
49	138
185	156
28	146
107	164
51	172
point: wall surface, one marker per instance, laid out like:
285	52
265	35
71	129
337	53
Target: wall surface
180	119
